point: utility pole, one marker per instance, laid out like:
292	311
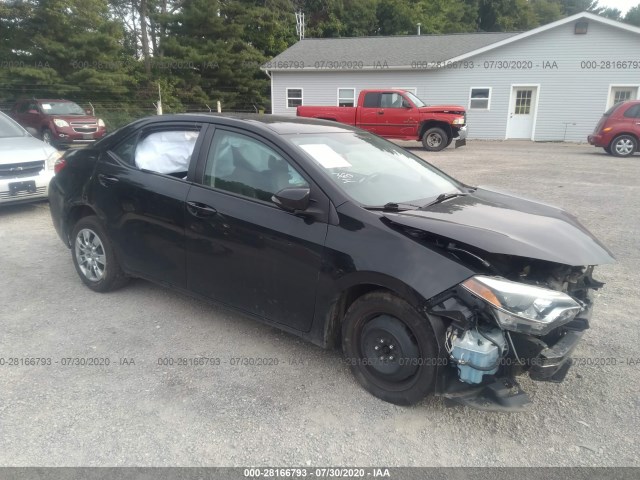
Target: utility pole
300	24
159	106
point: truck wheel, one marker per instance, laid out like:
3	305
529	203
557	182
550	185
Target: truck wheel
390	348
435	139
623	146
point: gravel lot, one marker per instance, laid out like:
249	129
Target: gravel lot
307	410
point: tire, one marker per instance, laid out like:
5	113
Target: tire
435	139
47	137
623	146
607	149
377	325
101	271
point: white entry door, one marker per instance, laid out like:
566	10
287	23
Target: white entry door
522	110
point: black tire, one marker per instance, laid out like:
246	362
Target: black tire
623	146
380	316
435	139
607	149
47	137
94	260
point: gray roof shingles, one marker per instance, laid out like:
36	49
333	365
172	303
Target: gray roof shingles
369	52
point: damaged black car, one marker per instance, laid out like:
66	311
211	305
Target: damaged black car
428	285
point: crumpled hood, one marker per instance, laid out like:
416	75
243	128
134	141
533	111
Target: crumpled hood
506	224
23	149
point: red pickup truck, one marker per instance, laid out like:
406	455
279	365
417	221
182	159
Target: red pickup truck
399	114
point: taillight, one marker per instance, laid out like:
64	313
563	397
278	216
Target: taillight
59	165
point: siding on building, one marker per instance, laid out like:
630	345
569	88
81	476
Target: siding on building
571	98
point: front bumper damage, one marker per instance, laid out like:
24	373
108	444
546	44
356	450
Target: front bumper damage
545	359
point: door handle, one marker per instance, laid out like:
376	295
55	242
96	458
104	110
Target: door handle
380	112
106	180
200	209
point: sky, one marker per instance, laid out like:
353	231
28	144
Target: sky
622	5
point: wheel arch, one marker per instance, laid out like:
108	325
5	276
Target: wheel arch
427	124
350	291
74	215
620	134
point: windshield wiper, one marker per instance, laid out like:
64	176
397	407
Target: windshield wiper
442	197
392	207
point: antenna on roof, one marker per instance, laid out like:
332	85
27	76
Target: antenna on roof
300	24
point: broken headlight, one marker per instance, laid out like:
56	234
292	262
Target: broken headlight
523	308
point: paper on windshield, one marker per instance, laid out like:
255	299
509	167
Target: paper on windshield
46	106
325	155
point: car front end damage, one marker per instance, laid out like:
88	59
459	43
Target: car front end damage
526	317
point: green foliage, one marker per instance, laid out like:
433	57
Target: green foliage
200	52
633	16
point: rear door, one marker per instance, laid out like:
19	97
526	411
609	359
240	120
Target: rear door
244	251
370	112
139	190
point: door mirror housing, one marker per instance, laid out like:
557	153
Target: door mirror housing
292	199
406	104
32	112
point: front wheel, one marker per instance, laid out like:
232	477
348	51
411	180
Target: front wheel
435	139
623	146
47	136
390	348
93	256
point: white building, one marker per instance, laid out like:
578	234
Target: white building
550	83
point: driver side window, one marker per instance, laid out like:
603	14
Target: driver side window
391	100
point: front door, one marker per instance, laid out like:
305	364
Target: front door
522	110
242	249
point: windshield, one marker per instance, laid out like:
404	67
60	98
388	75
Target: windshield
9	128
373	171
416	101
61	108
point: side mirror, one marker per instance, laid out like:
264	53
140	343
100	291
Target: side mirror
32	131
32	112
292	199
88	111
406	104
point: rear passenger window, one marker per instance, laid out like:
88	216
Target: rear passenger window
240	164
166	151
372	100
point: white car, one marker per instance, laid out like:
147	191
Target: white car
26	164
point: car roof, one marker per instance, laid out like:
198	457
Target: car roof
279	124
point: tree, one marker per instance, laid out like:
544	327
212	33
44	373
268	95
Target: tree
571	7
633	16
612	13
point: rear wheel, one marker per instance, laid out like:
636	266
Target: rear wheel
93	256
390	348
435	139
623	146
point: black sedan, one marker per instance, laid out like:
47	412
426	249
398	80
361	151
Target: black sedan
343	238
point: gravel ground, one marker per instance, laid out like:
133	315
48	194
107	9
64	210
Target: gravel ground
307	410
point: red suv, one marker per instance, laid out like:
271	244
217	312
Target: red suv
60	123
618	131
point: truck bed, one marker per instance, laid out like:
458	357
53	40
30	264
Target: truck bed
337	114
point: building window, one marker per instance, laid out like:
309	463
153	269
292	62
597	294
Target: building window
621	93
480	98
294	97
346	97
